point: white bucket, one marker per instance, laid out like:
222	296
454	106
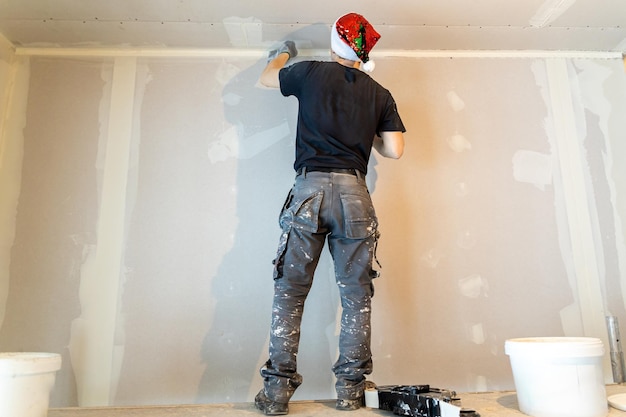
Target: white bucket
26	379
558	376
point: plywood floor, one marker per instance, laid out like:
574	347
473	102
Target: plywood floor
492	404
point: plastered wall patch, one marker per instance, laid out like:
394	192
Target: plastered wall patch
226	72
92	346
231	145
550	11
473	286
242	31
458	143
533	168
594	77
481	383
226	147
455	101
477	333
431	258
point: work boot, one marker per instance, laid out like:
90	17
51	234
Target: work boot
269	407
349	405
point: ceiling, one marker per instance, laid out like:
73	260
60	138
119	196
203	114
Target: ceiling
566	25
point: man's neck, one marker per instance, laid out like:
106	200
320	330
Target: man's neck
345	62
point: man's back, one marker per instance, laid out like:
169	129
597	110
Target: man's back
341	109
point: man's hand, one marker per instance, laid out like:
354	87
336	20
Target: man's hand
276	60
288	47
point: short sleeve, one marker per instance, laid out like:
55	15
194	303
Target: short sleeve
291	78
390	119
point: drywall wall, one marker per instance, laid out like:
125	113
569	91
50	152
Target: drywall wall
147	222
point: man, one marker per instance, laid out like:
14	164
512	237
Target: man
343	113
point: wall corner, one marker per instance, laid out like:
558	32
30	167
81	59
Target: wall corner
7	49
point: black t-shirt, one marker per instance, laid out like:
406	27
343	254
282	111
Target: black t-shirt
340	111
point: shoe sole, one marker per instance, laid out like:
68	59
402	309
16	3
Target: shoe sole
271	413
261	406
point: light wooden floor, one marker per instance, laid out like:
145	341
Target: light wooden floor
491	404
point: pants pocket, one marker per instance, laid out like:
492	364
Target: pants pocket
302	213
297	213
360	221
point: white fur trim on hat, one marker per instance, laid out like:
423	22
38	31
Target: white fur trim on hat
340	47
368	66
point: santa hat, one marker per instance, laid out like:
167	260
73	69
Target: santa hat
352	37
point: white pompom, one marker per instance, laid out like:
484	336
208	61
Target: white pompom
368	66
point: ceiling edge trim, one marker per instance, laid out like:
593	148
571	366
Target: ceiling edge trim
261	53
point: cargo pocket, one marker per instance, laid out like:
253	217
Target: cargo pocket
360	220
303	214
300	214
373	273
361	223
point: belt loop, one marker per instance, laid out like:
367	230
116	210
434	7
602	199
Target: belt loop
359	174
304	172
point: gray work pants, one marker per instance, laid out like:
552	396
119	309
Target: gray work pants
323	206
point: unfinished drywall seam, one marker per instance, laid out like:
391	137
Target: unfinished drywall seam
13	120
92	347
571	161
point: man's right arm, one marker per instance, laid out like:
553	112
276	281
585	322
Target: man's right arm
277	60
269	76
390	144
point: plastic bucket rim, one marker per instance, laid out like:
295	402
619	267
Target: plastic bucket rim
554	346
25	363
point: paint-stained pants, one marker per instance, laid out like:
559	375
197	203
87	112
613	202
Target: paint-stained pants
323	206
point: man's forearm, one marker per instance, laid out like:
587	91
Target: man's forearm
269	76
390	145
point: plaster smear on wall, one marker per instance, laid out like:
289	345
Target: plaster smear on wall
592	75
431	258
16	77
243	32
592	78
458	143
93	351
476	333
480	382
570	315
79	337
226	72
550	11
455	101
143	78
232	143
533	168
473	286
230	146
579	239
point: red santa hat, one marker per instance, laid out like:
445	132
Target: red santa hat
352	37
